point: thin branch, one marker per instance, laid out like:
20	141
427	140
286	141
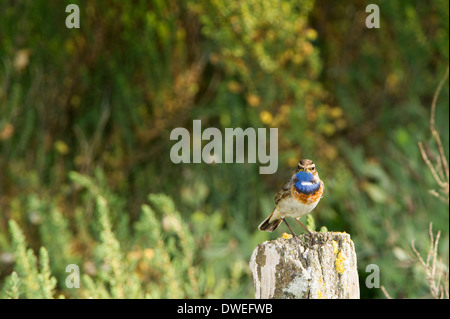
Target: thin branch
430	165
433	279
439	170
432	124
446	285
386	294
435	96
418	254
437	195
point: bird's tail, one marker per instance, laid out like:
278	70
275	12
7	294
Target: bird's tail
270	223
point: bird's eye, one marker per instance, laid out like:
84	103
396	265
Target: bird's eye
313	168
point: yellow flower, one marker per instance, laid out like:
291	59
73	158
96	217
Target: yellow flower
61	147
311	34
292	162
336	112
266	117
234	87
253	100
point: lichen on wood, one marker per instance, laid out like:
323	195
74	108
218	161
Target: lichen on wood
322	265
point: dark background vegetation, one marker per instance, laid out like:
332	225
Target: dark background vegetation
86	115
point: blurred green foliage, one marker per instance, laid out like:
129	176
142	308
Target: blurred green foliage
86	115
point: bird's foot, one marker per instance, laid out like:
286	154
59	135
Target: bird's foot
307	239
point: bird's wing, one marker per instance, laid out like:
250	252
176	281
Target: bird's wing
284	191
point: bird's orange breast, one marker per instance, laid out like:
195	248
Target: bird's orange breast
308	199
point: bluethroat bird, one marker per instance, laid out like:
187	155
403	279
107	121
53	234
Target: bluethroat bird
298	197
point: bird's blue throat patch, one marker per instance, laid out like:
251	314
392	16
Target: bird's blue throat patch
304	183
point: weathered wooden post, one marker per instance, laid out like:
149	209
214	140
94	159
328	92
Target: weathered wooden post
323	267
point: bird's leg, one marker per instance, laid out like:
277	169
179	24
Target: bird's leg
309	233
293	234
303	226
